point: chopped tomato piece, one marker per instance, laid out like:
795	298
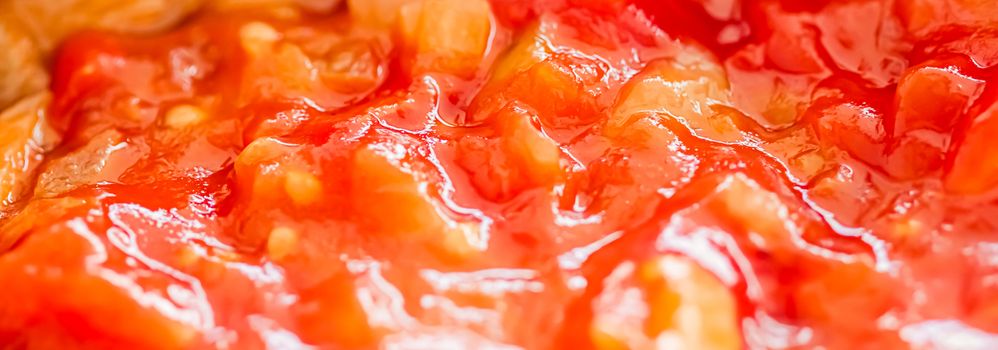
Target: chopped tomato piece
933	98
975	163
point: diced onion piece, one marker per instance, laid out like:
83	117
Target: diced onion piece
352	66
692	310
381	186
187	257
261	150
303	188
685	86
560	88
531	48
668	302
184	116
537	153
257	37
390	199
281	242
906	227
758	213
448	36
261	173
744	200
295	68
620	312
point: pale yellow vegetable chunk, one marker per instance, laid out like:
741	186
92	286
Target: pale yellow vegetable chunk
303	188
447	36
391	199
281	242
668	302
687	86
184	116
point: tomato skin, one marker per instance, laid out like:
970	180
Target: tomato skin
933	97
78	72
57	295
858	129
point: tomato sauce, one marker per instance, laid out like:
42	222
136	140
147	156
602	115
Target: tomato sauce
570	174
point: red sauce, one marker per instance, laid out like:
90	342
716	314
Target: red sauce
681	174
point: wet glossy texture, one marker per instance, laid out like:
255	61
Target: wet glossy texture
571	174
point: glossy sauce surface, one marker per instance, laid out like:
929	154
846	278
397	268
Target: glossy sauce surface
682	174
